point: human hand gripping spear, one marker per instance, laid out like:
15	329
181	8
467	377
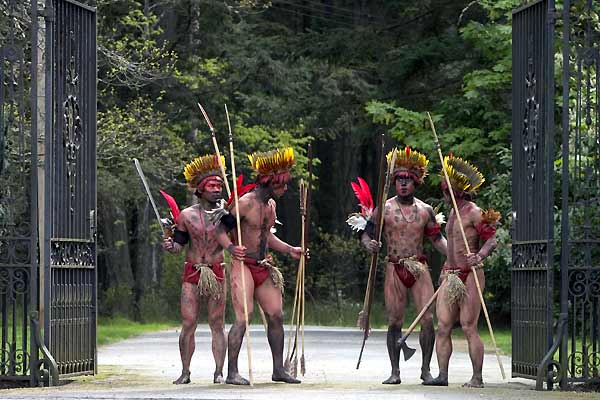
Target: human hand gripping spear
383	187
462	231
222	167
239	237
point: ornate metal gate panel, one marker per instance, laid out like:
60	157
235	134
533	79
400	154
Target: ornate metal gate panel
18	192
532	188
70	291
580	246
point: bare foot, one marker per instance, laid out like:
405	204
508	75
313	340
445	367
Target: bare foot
218	378
183	379
236	379
426	376
474	383
283	376
439	381
392	380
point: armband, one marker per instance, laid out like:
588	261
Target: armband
181	237
228	221
370	229
433	231
485	231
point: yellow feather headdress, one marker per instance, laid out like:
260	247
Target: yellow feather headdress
202	167
411	163
273	165
463	175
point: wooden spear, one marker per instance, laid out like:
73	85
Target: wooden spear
412	326
299	297
462	231
303	191
222	167
364	315
305	237
216	146
290	353
239	237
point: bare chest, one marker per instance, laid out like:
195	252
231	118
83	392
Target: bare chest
261	216
403	218
455	229
200	228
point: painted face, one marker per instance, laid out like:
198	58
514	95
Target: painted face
405	186
278	189
212	191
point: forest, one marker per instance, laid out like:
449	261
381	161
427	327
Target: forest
333	73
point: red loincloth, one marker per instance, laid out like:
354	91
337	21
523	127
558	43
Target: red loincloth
463	274
258	272
192	275
406	277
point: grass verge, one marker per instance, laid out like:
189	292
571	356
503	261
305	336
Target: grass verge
111	330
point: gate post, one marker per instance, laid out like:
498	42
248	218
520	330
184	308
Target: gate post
18	193
34	191
564	230
70	192
532	189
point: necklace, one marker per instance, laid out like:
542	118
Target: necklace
413	213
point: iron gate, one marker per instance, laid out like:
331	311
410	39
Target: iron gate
578	325
532	188
580	246
18	193
70	239
62	263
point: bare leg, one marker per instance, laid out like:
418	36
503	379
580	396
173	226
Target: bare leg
216	317
395	303
427	341
469	315
238	329
189	315
446	316
394	333
422	291
270	300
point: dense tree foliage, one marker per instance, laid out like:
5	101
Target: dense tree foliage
335	73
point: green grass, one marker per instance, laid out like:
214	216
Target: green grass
111	330
503	339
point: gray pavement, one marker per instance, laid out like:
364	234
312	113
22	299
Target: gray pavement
143	368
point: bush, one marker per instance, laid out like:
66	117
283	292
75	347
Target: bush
161	302
338	270
498	278
116	301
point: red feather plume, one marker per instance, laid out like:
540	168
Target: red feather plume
242	190
363	194
367	193
172	204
